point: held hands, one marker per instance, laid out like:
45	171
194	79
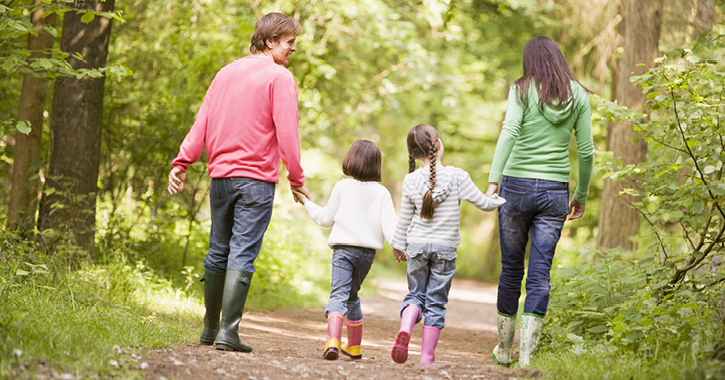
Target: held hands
176	181
492	189
576	209
301	194
399	255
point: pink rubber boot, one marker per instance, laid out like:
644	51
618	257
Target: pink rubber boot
407	321
334	330
430	340
354	338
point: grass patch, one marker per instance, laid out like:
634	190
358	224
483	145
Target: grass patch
595	362
92	322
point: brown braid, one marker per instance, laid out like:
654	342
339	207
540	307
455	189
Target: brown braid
428	208
422	142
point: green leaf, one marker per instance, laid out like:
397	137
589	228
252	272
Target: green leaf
21	272
87	17
23	127
598	329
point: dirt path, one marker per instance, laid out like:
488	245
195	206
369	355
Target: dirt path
288	344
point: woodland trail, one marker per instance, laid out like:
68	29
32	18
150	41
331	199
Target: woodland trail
288	344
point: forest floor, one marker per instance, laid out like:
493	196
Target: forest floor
288	344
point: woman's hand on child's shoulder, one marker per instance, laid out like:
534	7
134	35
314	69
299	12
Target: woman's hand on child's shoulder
399	255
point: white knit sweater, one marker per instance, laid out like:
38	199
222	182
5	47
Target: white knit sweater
361	214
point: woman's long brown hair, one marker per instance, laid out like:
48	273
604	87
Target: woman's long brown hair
422	143
545	65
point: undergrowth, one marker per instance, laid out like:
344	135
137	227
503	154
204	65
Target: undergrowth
96	318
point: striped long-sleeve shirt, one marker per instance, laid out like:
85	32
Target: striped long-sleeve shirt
452	186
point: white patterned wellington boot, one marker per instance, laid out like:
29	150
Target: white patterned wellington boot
506	329
530	333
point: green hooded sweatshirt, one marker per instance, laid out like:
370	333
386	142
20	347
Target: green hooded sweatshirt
535	144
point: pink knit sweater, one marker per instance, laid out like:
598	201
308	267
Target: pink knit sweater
248	120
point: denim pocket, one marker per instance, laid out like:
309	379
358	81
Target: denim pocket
413	252
369	257
446	260
514	199
341	259
253	192
558	202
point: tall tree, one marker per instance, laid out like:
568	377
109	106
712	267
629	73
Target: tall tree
26	158
69	201
704	16
641	29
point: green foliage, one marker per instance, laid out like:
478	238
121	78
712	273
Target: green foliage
90	322
662	304
16	59
680	189
592	360
623	303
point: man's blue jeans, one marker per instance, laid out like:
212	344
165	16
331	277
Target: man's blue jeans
536	208
240	212
430	271
350	265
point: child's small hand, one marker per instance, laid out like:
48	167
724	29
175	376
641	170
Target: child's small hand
300	196
400	255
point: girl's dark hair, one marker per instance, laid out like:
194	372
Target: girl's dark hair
545	65
363	161
272	25
422	143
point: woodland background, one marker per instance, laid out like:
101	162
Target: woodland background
97	96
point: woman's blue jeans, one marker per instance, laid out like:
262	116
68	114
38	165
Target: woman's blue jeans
240	212
350	266
430	271
535	208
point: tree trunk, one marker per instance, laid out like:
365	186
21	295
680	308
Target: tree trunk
704	17
26	158
76	129
618	222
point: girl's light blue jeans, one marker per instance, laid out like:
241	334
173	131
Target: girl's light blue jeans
350	266
430	271
534	208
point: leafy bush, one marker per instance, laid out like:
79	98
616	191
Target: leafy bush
660	316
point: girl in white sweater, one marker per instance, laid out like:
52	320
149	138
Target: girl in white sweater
361	214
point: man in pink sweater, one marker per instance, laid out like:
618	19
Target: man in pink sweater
248	120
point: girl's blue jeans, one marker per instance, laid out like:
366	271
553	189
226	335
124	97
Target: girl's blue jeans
430	271
535	208
240	212
350	266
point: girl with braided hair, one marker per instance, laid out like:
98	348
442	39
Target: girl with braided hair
427	236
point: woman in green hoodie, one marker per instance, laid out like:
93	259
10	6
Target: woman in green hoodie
530	170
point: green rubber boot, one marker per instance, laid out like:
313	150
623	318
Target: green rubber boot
506	329
213	293
530	332
236	289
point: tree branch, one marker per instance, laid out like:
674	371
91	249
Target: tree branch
691	154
